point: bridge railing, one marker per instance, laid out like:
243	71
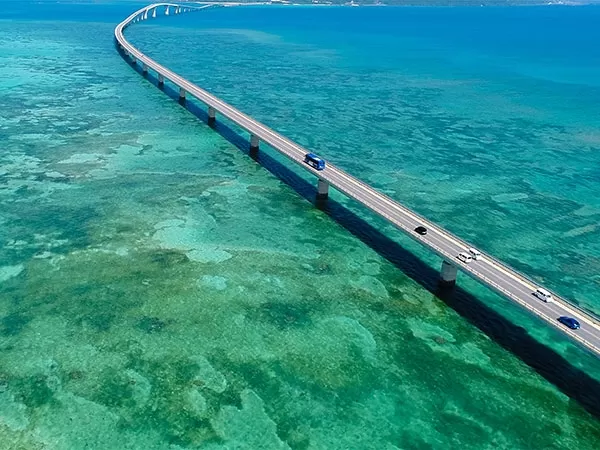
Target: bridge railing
549	319
593	316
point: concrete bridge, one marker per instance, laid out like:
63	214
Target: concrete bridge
487	270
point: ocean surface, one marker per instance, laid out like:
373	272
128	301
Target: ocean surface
161	289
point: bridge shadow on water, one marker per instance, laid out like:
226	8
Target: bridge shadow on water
554	367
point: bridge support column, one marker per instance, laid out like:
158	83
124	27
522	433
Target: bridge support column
161	80
154	13
448	274
212	115
181	94
145	69
167	11
133	60
254	141
322	189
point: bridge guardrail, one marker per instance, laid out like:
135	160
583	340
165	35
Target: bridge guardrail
594	317
549	319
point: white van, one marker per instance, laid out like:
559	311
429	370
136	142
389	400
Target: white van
543	294
465	257
476	254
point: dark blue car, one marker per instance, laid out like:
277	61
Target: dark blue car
573	324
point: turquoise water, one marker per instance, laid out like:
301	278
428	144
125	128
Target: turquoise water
160	289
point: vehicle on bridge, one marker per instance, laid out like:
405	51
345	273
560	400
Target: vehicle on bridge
465	257
476	254
543	294
314	161
573	324
421	230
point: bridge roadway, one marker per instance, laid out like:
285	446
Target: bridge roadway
487	270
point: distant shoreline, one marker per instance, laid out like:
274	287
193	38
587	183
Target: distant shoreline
354	3
417	3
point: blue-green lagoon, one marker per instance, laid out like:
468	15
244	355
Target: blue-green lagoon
160	289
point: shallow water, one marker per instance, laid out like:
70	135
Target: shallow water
160	289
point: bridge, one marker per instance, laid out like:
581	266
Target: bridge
486	269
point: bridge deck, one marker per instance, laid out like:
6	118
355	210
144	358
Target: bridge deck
489	271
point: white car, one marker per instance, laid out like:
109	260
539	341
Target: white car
464	257
476	254
543	294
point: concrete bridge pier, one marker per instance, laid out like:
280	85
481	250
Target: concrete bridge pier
145	69
212	115
181	95
254	141
154	13
133	60
322	189
166	11
448	274
161	80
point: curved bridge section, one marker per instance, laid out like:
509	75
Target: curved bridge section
486	269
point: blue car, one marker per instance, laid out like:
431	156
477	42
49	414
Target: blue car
573	324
